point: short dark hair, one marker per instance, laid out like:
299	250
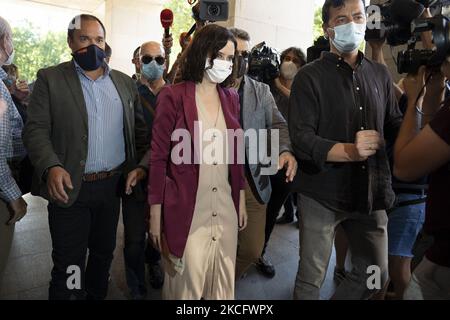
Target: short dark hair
207	42
335	4
240	34
80	18
136	52
108	50
296	51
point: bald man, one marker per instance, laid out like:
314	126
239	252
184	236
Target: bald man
152	66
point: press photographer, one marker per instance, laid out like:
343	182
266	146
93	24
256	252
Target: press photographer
427	151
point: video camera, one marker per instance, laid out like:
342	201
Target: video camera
264	63
393	21
205	11
210	10
400	24
314	52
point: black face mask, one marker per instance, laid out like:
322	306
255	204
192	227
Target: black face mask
90	58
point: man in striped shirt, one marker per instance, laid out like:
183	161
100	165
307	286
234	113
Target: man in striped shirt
12	205
85	134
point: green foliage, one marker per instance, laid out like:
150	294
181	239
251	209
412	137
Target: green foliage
182	22
317	31
35	51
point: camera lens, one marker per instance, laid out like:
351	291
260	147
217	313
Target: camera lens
214	10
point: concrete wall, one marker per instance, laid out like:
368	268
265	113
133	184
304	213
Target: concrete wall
282	23
129	23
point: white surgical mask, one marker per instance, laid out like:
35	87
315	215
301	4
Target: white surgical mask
220	70
10	58
288	70
348	37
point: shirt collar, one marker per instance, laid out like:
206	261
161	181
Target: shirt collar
81	71
3	74
333	57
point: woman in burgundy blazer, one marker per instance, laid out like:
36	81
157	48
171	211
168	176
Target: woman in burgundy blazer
173	187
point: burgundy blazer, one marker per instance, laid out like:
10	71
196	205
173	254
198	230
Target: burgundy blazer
175	186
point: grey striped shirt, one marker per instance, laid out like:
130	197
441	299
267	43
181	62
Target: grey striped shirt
106	147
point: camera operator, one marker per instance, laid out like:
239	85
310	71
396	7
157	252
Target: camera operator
342	107
427	151
407	217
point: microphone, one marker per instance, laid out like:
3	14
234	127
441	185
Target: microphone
166	21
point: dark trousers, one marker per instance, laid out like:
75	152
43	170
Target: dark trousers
90	223
137	251
134	221
152	256
280	195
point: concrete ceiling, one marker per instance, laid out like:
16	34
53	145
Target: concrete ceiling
82	5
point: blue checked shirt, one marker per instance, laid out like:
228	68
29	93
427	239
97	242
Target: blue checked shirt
106	147
11	145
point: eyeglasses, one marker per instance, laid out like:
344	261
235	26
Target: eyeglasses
148	59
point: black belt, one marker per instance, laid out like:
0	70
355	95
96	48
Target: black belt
419	192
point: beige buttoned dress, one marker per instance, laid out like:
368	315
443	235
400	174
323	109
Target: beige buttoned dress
208	264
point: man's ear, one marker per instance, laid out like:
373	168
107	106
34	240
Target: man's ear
3	42
70	42
326	32
324	29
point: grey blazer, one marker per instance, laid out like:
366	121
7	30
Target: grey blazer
56	132
260	112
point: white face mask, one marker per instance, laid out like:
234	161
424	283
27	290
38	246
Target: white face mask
348	37
288	70
10	58
220	71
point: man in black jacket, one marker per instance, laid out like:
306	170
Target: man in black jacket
341	109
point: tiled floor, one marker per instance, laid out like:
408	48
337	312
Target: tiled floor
28	271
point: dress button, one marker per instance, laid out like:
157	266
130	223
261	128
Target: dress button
214	189
214	214
338	65
360	108
362	128
357	88
214	239
215	163
364	167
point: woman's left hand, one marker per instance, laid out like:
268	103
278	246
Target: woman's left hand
242	219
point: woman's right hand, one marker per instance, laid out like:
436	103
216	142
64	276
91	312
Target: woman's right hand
155	226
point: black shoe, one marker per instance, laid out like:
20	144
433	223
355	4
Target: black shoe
285	219
265	267
156	276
